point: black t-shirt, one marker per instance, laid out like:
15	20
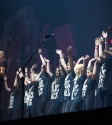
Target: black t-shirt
30	96
15	101
57	88
77	87
3	64
44	86
88	90
68	85
105	76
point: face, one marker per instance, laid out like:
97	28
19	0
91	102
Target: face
88	73
76	70
68	67
57	71
1	56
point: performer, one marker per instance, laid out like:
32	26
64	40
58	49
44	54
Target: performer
15	98
43	87
68	83
105	76
78	81
30	97
3	66
57	89
88	90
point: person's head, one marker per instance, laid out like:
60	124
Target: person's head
1	55
89	72
69	69
78	69
57	71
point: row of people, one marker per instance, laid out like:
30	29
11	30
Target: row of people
75	91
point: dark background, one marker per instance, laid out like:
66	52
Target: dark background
89	17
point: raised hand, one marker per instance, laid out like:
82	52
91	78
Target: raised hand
5	78
93	59
46	60
96	62
63	55
86	57
34	66
21	73
101	40
17	73
104	34
40	51
81	58
26	69
96	41
69	49
59	51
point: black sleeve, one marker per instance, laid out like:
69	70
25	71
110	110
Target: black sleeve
73	74
108	61
101	62
53	77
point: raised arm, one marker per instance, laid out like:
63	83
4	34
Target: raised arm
26	76
105	36
108	52
63	63
32	72
41	57
96	52
101	55
60	69
6	85
94	70
90	61
70	59
79	60
84	64
48	68
38	76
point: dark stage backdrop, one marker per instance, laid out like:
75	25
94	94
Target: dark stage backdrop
69	21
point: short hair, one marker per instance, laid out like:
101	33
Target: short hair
90	68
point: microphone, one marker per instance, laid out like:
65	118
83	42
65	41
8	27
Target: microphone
110	29
46	36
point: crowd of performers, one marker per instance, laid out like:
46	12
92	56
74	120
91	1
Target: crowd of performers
74	91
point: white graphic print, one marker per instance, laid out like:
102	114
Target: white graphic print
54	90
40	87
11	101
67	87
102	76
29	95
84	89
75	90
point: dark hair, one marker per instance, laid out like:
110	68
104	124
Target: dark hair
90	68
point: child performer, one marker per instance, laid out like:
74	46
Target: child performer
88	90
57	88
69	78
15	98
78	81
